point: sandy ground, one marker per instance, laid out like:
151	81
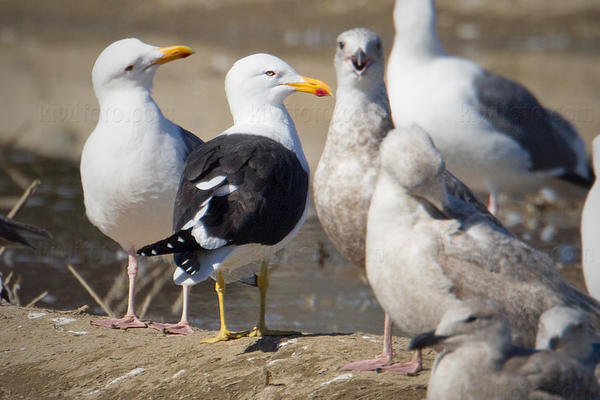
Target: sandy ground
75	360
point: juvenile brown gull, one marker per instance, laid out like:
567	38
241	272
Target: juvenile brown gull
431	243
480	362
347	171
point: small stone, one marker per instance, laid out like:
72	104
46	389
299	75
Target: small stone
512	219
548	195
548	233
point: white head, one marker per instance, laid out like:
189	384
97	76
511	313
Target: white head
131	63
262	79
415	26
469	322
566	329
359	60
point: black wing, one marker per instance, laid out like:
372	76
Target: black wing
190	140
544	134
12	231
236	189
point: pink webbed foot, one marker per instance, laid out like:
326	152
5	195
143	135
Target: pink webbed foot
408	368
414	366
128	321
369	365
180	328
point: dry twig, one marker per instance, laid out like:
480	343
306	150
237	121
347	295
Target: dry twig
91	291
22	201
38	298
24	197
159	282
17	176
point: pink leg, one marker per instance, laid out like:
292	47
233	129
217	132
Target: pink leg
410	368
380	361
492	203
183	326
130	320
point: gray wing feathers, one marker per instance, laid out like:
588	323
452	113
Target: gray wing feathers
551	374
511	109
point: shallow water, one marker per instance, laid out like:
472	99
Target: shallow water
312	288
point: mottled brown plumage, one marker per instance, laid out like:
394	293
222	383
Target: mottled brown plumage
346	174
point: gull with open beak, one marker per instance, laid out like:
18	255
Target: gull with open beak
244	194
132	161
347	172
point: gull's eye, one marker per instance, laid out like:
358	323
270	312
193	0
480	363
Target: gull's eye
270	73
472	318
341	45
378	45
129	67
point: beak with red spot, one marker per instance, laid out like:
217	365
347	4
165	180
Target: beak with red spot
172	53
310	85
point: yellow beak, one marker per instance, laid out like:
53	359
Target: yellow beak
171	53
310	85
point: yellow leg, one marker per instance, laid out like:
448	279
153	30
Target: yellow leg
224	334
261	328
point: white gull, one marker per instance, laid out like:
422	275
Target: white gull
492	132
132	161
590	231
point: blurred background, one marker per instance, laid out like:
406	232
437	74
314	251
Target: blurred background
48	109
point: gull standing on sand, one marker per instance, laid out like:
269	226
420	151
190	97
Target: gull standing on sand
132	161
492	132
244	194
570	332
590	231
431	243
480	362
347	172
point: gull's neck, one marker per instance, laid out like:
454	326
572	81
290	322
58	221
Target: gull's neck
131	107
361	119
270	120
416	37
358	97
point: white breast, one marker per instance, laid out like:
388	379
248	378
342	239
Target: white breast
130	173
